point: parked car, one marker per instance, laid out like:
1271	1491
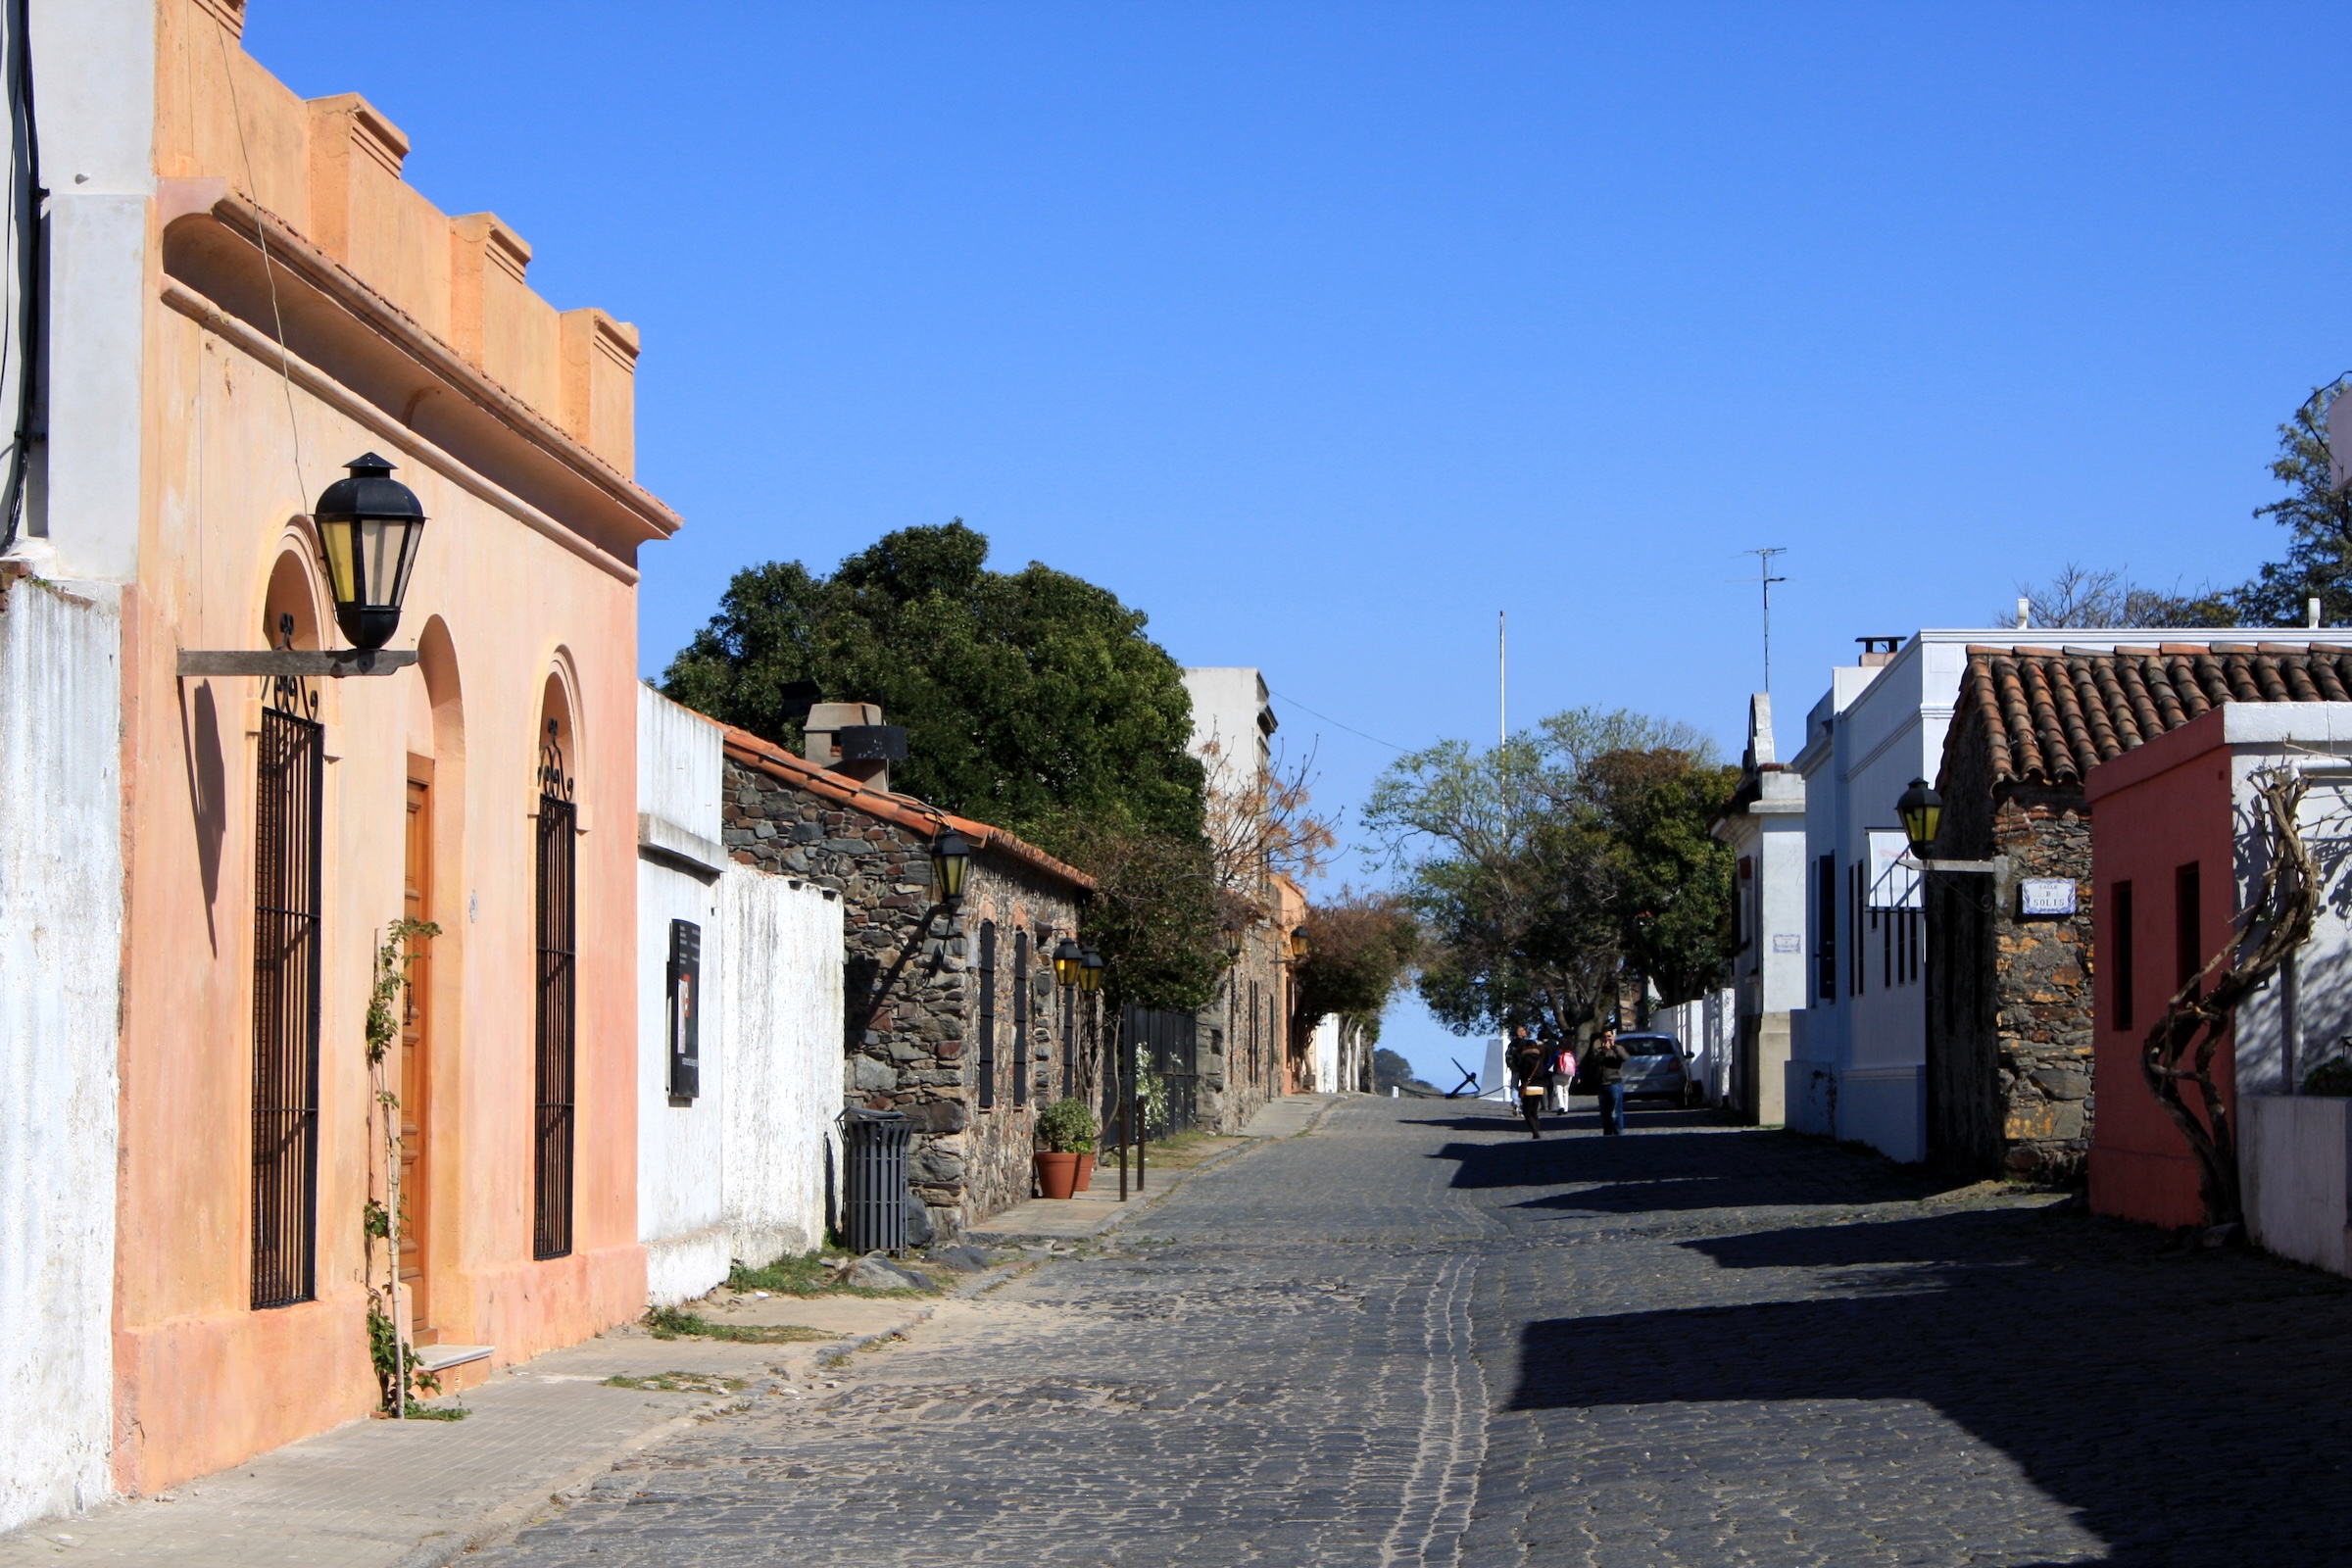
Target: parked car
1656	1067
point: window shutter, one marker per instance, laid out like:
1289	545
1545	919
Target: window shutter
685	1010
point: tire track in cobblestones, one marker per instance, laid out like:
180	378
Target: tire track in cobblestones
1443	1485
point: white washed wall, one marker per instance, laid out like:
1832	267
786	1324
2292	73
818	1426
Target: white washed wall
61	937
780	1000
681	1144
1326	1044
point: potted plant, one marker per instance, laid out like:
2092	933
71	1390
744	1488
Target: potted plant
1067	1129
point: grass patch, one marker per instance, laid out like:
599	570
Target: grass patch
807	1274
678	1383
671	1322
438	1412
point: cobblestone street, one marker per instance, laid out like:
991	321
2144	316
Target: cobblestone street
1413	1336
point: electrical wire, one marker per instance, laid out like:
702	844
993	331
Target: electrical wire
1328	720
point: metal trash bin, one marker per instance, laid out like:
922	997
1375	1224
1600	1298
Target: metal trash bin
873	1158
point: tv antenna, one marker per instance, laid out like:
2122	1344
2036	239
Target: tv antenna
1766	580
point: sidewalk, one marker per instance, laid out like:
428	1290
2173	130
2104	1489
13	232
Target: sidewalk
420	1494
1085	1215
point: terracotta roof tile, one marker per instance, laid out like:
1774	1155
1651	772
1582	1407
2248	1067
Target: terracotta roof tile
2050	716
901	811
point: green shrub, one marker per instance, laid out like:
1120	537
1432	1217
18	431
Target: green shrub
1067	1127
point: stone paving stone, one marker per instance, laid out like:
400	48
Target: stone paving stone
1417	1337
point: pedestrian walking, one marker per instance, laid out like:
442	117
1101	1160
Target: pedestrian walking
1531	1076
1563	1077
1604	1065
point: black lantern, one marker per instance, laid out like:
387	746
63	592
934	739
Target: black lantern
371	524
1069	960
1922	811
1090	971
951	859
1233	939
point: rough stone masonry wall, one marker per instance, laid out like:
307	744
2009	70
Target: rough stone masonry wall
2041	987
909	991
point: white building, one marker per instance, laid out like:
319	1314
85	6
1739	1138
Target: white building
1857	1068
1232	711
61	681
739	1020
1765	827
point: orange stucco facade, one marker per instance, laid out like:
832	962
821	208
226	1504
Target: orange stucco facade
412	334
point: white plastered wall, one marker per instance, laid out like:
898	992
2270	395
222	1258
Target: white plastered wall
61	937
681	1142
61	859
778	984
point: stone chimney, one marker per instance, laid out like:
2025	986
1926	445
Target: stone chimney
1759	733
851	738
1877	651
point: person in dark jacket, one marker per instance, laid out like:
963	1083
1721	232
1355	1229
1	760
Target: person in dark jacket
1604	1060
1531	1076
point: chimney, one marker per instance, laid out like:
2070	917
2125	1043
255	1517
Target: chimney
851	738
1759	732
2024	611
2311	613
1877	651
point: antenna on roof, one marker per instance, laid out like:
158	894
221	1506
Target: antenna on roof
1764	573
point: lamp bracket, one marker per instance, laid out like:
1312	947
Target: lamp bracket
1975	868
296	661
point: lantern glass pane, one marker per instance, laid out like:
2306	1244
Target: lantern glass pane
337	536
411	533
379	556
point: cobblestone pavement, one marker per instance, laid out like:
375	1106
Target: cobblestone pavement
1413	1337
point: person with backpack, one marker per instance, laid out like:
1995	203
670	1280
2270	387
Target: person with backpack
1531	1076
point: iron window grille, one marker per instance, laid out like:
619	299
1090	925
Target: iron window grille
1020	1017
1825	920
988	1014
552	1074
288	832
685	1010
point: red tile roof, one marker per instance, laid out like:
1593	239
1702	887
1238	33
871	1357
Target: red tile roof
901	810
2052	714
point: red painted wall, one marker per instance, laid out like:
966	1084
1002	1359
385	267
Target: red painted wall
2153	810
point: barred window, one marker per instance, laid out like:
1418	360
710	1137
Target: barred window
988	1014
288	825
553	1075
1825	927
1020	1017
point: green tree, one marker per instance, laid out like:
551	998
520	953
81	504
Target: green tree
1025	695
2318	518
1032	700
1546	867
1359	949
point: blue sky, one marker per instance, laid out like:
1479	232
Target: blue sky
1322	333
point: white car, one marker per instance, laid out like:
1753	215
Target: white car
1655	1068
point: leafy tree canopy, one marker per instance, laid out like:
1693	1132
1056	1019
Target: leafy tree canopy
1024	694
1547	867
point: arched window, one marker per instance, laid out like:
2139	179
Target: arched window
288	834
555	907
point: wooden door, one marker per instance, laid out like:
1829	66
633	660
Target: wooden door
416	1074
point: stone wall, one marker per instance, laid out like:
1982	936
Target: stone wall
2009	1000
2041	987
910	990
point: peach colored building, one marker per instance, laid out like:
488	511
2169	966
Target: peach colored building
489	787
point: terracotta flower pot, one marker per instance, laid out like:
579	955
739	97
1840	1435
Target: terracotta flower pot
1086	1171
1056	1174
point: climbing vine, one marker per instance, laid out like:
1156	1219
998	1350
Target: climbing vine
385	1219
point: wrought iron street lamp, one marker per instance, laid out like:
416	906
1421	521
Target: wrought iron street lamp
1231	932
371	524
1069	960
1090	973
951	861
1921	810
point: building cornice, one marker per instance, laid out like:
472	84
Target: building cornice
352	338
